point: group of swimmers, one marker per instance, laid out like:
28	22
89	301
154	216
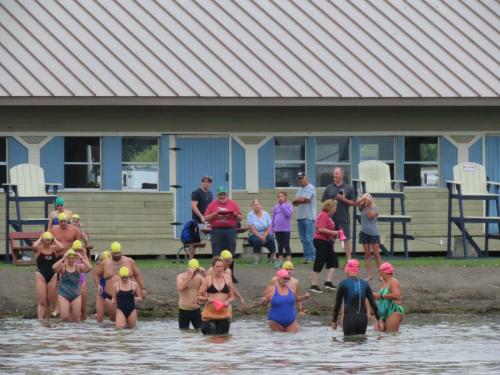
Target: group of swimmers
63	261
214	289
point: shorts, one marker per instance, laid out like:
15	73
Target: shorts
189	316
325	254
215	327
367	239
346	227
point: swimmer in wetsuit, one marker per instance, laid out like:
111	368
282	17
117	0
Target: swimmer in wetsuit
389	300
352	292
126	293
217	292
282	316
102	299
69	268
46	250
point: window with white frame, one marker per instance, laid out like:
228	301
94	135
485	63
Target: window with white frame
289	159
82	162
332	152
378	148
3	160
421	161
139	163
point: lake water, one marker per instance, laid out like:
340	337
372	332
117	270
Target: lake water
427	344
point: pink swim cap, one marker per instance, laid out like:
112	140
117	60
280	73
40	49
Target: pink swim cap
282	273
352	266
386	268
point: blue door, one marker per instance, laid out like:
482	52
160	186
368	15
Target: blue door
492	166
198	157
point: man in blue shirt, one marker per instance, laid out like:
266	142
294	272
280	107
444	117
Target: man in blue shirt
305	201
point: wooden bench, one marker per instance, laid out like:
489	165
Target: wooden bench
18	251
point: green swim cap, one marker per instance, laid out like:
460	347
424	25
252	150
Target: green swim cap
59	201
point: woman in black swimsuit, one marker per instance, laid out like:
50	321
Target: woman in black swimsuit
125	295
217	292
46	249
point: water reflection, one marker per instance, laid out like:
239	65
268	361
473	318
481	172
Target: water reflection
427	344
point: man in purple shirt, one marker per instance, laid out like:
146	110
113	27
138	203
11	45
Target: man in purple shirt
282	226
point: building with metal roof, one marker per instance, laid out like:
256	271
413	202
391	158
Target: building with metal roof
128	103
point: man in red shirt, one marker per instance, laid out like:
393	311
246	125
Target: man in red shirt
223	214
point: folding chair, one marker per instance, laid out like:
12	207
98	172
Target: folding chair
470	183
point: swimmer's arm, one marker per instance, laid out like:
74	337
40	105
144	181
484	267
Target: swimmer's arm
86	264
300	309
182	281
338	303
232	290
238	295
368	310
137	292
395	291
268	293
114	293
58	266
58	244
96	275
137	275
38	242
373	304
202	292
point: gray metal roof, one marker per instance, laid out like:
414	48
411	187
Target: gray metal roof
261	49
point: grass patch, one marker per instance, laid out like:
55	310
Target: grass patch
249	263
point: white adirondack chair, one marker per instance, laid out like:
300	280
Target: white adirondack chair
29	180
27	184
470	183
375	178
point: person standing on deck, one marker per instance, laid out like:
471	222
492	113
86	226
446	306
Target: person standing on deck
344	195
305	201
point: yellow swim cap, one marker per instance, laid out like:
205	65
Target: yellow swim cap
226	254
193	264
62	217
124	272
77	245
287	265
75	217
70	253
105	254
116	247
47	236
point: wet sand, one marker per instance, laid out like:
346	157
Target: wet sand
425	290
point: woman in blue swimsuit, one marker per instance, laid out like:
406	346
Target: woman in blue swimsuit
282	315
69	268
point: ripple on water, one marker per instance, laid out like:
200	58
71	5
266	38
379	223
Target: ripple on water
441	344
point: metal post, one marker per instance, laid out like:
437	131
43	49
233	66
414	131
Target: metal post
450	206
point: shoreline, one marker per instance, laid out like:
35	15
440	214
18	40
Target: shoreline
426	290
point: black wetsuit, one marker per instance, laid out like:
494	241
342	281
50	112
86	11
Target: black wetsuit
125	302
353	292
44	265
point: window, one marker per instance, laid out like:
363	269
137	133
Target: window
82	162
139	163
3	160
332	152
289	159
421	161
378	148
